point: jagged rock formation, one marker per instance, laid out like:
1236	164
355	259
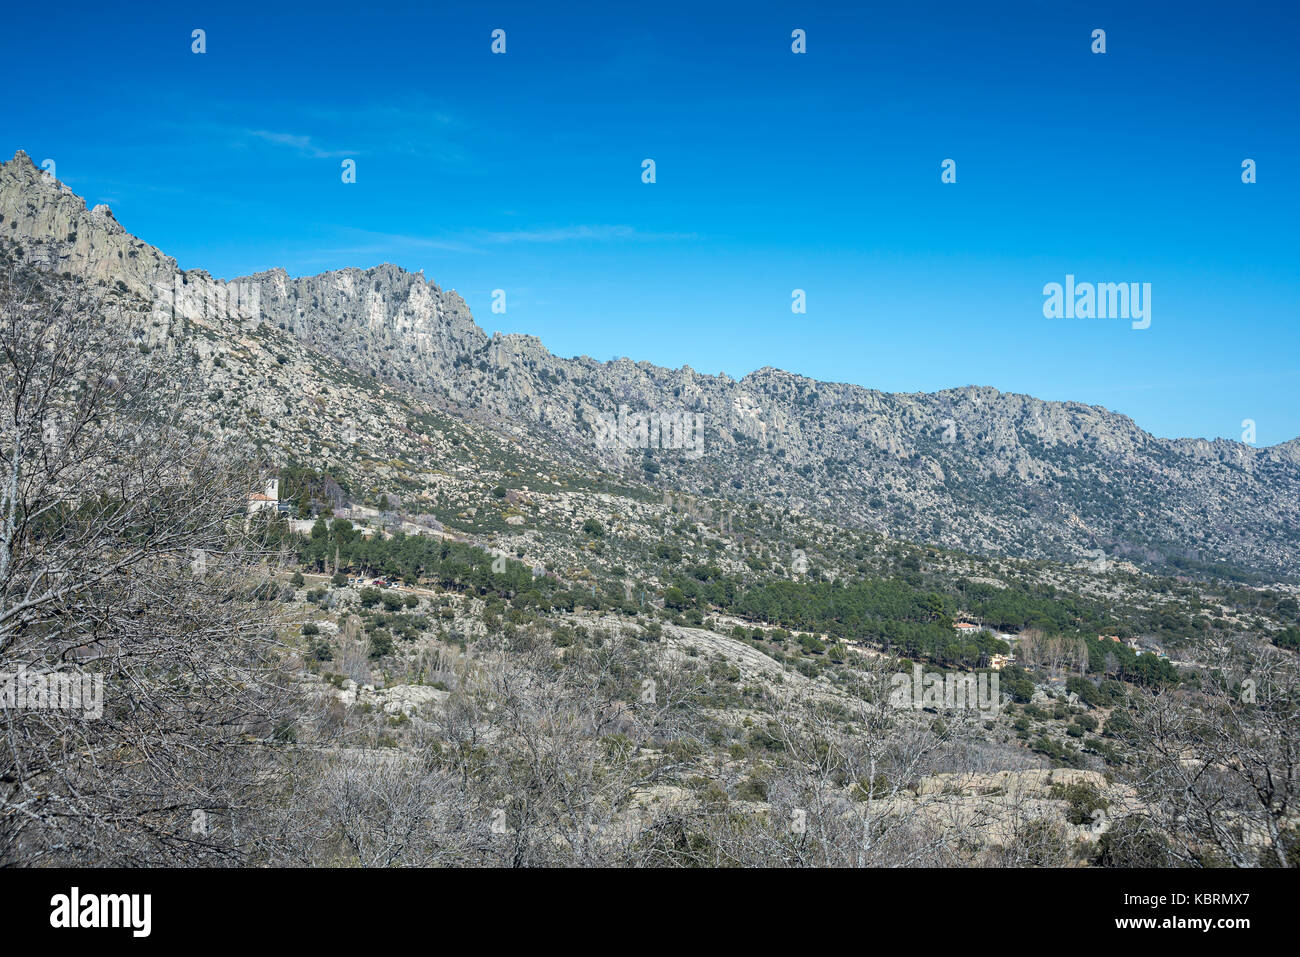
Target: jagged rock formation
971	467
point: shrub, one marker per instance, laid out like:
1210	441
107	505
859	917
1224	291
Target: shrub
381	643
1132	842
1083	800
763	740
812	645
1288	638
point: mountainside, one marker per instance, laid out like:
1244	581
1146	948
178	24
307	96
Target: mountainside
971	468
474	619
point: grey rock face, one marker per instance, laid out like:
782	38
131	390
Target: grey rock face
971	467
54	224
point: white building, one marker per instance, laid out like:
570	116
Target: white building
268	499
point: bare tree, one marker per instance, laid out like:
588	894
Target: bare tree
1218	767
538	756
843	788
125	564
574	739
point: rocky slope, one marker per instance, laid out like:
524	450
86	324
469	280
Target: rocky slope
971	467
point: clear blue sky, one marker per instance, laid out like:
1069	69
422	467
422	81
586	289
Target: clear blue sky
775	171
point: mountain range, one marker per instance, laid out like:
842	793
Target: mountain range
970	468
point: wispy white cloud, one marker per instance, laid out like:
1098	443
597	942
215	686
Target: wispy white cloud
564	234
477	240
303	144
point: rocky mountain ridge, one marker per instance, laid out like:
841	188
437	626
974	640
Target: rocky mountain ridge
971	467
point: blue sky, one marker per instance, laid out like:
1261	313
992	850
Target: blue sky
775	171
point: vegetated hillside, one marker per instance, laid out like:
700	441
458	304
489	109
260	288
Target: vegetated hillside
570	665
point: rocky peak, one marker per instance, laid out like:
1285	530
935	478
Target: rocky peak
54	227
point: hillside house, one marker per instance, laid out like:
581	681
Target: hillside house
269	498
